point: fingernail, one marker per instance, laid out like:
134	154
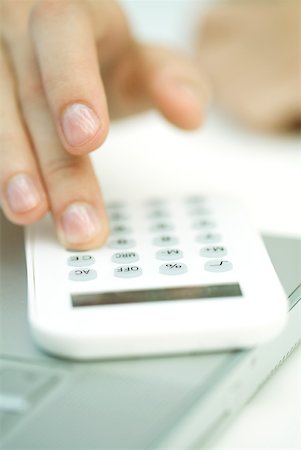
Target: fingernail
80	124
80	223
22	194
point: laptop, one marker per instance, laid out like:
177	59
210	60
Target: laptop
140	403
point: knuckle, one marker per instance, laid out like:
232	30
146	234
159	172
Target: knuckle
64	167
31	91
48	9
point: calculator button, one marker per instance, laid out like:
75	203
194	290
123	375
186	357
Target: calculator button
213	251
162	226
208	238
114	205
173	268
127	271
82	275
125	257
203	224
169	254
120	229
115	216
165	241
80	260
155	202
199	211
158	214
195	199
218	266
121	243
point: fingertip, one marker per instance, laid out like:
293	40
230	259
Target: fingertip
180	102
24	200
82	128
81	227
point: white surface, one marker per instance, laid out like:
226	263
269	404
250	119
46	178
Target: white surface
263	171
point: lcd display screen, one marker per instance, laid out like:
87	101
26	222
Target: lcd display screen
157	295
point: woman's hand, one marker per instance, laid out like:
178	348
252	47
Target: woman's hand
66	67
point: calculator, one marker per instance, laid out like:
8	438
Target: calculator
175	275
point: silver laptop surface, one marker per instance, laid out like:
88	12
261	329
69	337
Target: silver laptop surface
150	403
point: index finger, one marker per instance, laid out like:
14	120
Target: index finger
68	62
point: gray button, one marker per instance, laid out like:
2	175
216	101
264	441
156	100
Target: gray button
82	275
120	229
213	251
199	211
173	268
155	202
165	241
158	214
195	199
203	224
80	260
169	254
125	257
116	216
127	271
208	238
218	266
114	205
162	226
121	243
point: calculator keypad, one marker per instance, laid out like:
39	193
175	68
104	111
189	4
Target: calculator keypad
157	231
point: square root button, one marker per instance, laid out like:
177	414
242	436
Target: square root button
218	265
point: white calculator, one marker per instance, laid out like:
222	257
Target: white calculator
176	275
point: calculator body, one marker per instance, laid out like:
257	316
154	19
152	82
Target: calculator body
176	275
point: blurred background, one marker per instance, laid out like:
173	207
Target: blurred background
249	145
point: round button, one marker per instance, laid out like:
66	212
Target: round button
116	216
121	243
120	229
80	260
165	241
203	224
125	257
213	251
218	266
199	211
162	226
127	271
208	238
158	214
173	268
195	200
169	254
82	275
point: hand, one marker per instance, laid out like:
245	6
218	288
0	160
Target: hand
56	105
251	52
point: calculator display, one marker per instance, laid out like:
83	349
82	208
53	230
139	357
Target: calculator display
157	295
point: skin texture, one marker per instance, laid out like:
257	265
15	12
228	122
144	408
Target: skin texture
251	52
66	68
